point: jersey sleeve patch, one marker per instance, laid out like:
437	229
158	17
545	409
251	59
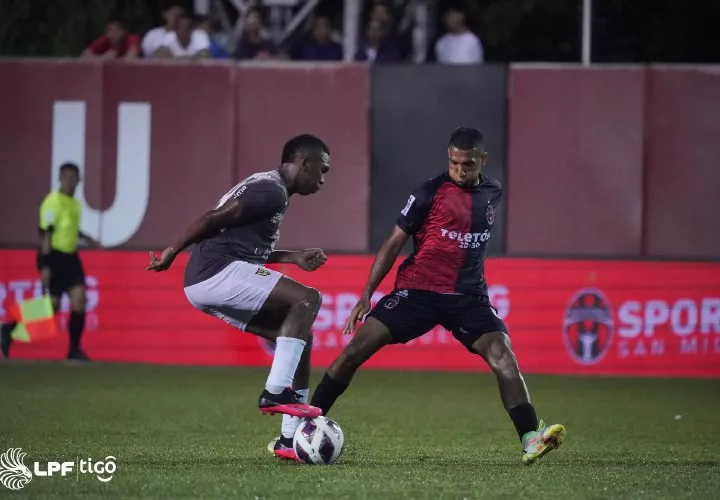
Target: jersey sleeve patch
417	207
410	201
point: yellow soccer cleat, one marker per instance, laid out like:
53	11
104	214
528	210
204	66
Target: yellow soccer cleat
271	445
537	443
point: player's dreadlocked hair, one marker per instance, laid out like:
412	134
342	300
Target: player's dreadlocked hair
305	142
466	139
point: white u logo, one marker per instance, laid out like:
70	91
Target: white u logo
119	223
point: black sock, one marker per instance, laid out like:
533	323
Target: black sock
5	338
76	324
524	418
327	391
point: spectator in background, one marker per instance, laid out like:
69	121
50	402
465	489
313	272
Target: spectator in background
376	48
216	49
185	41
154	38
459	45
382	12
320	46
254	43
116	43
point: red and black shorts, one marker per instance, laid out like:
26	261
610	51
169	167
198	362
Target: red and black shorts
410	314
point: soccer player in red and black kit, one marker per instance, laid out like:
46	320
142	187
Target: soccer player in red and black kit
450	218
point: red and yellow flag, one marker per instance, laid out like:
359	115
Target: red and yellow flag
35	319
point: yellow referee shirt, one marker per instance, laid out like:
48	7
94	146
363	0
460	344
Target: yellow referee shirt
61	213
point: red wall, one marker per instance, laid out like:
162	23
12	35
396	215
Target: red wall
274	104
607	161
575	179
614	161
211	125
662	318
682	168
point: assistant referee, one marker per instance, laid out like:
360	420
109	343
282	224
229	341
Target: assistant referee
59	264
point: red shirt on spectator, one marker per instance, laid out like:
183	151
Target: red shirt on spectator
103	44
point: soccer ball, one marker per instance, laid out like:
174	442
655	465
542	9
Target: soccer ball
319	441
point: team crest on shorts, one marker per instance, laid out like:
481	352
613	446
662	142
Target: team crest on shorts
261	271
490	214
392	302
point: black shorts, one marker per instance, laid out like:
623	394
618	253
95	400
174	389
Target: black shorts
66	271
410	314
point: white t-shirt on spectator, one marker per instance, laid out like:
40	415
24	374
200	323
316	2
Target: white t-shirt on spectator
153	40
463	48
199	40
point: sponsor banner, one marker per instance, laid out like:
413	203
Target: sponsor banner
565	316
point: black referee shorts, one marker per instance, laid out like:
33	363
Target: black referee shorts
66	271
410	314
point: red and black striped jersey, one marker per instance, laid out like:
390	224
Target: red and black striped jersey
451	227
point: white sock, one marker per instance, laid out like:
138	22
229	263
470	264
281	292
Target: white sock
289	423
287	357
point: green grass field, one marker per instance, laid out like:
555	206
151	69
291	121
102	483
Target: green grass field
189	432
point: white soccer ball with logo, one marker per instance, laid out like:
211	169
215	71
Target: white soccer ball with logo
319	441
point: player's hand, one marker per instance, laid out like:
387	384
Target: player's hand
358	312
164	262
310	259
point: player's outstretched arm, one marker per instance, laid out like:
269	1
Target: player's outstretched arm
309	259
384	261
229	214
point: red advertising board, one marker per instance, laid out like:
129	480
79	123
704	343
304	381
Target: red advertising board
565	316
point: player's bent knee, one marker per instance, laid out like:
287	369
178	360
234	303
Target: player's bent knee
312	298
315	296
345	365
352	358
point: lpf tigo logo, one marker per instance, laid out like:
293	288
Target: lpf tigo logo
588	327
15	475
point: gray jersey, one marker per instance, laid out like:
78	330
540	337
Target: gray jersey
265	199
